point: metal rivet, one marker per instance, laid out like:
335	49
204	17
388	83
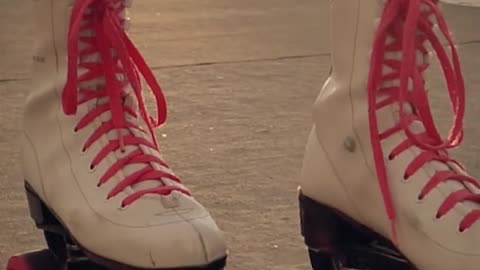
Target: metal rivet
350	144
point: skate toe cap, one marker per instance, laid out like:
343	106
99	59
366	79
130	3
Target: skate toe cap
188	243
194	243
152	237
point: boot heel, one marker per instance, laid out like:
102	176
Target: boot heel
324	232
39	212
320	226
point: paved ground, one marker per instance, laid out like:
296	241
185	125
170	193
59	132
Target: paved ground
240	78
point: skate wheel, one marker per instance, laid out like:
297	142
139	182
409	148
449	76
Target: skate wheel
36	260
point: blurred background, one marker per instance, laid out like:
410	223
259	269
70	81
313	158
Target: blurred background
240	77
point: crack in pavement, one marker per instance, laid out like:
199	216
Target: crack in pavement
280	58
267	59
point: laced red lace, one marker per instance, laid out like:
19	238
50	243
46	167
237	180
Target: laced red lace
118	56
409	23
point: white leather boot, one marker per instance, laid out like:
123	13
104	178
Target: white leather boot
91	160
377	182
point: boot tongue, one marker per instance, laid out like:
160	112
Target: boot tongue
130	102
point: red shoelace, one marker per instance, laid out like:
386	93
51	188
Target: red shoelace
409	23
118	56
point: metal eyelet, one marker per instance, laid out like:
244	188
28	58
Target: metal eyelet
92	168
435	218
83	151
420	198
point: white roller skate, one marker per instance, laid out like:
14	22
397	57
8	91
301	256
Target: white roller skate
96	182
378	187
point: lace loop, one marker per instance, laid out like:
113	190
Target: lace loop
408	21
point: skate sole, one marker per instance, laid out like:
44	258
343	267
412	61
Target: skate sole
337	242
46	220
